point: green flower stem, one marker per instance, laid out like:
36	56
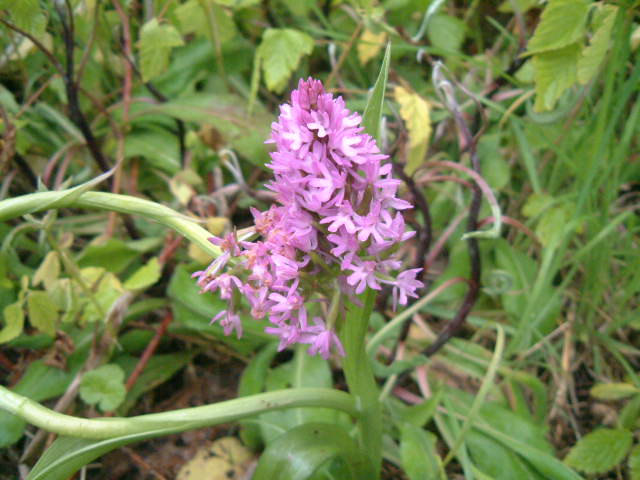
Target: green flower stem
362	384
37	202
176	420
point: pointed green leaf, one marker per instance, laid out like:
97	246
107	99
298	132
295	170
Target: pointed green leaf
634	463
156	42
562	23
371	118
600	450
280	53
302	451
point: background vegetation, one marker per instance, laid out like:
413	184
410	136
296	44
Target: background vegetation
100	314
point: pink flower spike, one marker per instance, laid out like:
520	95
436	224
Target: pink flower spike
230	322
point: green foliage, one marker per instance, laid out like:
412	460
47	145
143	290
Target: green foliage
279	55
103	387
145	276
420	459
155	45
27	15
600	450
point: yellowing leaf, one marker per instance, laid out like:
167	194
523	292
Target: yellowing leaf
555	72
226	458
156	42
593	55
416	113
280	53
562	23
370	45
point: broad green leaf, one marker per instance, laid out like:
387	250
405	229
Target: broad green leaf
303	371
158	148
302	451
446	32
280	53
600	450
614	391
202	17
634	463
107	289
495	168
104	387
11	429
372	116
592	56
562	24
26	15
156	42
145	276
536	204
420	459
415	111
420	415
13	317
553	223
42	312
555	72
48	271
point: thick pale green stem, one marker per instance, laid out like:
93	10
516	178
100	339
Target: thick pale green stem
176	420
38	202
362	383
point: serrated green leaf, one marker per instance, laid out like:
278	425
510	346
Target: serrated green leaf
302	451
420	459
104	386
562	24
26	15
593	55
156	42
280	53
600	450
145	276
43	312
613	391
634	463
555	72
13	318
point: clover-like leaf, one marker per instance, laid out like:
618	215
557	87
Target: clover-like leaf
104	386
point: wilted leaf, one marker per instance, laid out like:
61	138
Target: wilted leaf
600	450
103	386
370	45
562	24
156	42
280	53
416	113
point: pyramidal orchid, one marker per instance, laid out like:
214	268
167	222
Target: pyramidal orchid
334	232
